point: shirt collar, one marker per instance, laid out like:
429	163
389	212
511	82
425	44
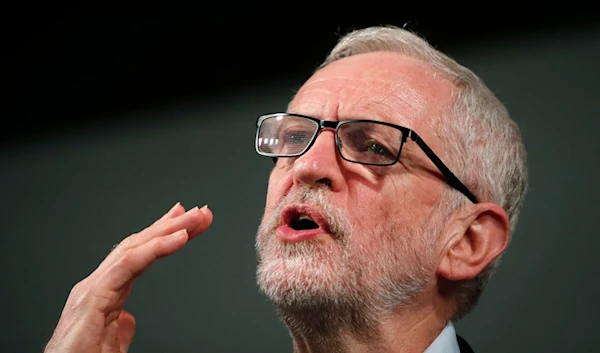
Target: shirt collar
445	342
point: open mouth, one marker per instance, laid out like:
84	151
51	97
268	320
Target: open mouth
302	222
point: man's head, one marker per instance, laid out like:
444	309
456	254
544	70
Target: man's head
380	239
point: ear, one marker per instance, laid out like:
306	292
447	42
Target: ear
474	237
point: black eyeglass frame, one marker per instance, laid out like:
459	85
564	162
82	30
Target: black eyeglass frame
451	179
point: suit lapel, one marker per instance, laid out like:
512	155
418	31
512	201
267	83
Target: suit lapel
463	345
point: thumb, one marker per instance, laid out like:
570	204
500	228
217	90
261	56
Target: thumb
126	330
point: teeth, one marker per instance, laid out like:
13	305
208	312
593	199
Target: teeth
303	217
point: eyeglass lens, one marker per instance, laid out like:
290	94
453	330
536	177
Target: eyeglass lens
358	141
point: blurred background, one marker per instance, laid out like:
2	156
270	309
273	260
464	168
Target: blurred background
114	113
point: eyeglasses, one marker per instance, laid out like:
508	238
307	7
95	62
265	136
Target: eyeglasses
358	141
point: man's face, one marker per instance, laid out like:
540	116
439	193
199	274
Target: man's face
335	231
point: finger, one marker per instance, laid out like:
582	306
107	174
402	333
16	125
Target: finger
194	221
126	330
202	225
110	338
175	211
131	263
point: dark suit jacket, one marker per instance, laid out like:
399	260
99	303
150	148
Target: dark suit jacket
463	345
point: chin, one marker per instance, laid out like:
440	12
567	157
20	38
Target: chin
300	273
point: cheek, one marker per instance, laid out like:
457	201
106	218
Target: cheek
276	190
374	207
378	201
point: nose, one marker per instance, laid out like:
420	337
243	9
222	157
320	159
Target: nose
320	165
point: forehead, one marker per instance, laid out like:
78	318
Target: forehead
381	86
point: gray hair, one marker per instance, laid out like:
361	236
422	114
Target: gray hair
483	145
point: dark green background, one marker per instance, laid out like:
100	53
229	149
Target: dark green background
66	199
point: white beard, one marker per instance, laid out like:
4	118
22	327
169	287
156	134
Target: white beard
386	273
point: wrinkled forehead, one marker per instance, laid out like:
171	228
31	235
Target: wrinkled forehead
382	86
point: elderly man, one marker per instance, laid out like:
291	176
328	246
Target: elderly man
398	180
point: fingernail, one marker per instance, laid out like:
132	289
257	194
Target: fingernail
171	209
179	234
192	209
174	206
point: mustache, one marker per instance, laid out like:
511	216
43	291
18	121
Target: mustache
335	217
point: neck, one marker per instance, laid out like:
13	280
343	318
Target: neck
337	329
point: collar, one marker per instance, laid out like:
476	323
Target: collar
445	342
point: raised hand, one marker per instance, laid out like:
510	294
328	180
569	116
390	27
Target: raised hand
93	319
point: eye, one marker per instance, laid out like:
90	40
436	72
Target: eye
369	142
372	146
296	137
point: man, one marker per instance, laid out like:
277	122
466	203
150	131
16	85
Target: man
398	180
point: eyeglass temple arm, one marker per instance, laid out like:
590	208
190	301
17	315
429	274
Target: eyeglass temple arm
451	179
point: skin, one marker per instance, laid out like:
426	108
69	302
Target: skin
401	90
384	86
93	319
